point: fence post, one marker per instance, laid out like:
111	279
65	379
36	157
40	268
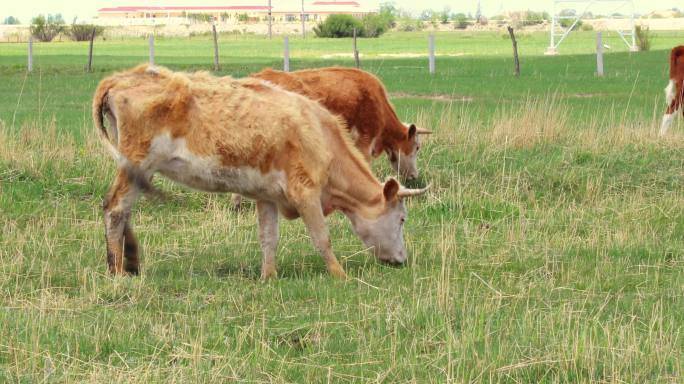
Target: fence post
431	49
152	49
599	55
286	61
356	52
515	51
216	55
303	24
30	54
90	51
270	21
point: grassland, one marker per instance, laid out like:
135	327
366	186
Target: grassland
550	248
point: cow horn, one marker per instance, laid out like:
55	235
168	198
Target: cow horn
405	192
423	131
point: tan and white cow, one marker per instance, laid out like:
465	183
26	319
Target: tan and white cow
245	136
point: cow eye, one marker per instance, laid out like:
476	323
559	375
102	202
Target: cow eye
402	219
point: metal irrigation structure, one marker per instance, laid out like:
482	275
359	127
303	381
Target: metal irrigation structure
581	7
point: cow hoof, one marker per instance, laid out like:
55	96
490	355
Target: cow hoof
268	274
236	202
337	272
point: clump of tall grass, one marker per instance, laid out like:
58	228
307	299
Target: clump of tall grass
539	120
643	37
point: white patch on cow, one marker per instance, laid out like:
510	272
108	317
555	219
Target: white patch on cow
670	92
667	121
173	159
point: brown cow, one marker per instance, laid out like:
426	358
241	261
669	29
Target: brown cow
674	93
245	136
360	99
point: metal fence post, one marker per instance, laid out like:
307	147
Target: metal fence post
431	49
30	54
286	60
599	54
151	49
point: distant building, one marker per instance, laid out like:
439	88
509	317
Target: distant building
316	11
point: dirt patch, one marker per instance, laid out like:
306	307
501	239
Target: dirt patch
436	97
584	95
339	55
414	55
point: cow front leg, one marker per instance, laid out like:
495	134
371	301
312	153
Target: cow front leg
312	214
122	247
267	214
670	114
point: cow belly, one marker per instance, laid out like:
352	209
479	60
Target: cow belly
173	160
244	180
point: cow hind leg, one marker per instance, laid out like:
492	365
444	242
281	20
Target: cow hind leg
236	201
267	213
312	214
122	247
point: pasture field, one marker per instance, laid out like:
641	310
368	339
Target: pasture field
550	247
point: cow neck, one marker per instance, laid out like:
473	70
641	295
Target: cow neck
353	188
394	134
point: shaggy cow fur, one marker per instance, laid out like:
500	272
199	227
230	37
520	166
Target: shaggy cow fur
246	136
361	100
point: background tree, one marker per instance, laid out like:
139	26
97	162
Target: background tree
11	20
46	29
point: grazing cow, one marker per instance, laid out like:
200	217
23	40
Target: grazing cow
360	99
674	93
245	136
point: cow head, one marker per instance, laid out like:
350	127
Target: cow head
404	157
385	233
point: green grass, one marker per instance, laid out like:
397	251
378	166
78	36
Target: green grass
549	249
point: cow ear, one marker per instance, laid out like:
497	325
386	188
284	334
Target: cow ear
412	132
390	189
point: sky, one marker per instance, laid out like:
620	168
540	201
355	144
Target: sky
84	9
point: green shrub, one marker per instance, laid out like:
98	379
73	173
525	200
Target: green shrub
374	25
338	26
371	25
586	27
566	23
47	29
643	37
534	18
407	24
81	32
460	21
201	17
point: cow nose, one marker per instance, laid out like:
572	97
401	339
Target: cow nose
394	263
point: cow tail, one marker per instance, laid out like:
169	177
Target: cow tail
99	105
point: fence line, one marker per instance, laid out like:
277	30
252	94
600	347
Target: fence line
216	51
30	54
599	55
90	51
286	55
356	52
431	53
